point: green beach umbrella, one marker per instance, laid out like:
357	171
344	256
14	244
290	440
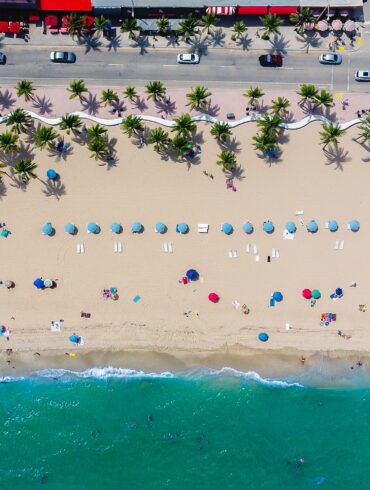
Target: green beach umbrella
316	294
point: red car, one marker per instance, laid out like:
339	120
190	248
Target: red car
271	60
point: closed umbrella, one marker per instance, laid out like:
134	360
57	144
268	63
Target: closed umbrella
291	227
213	297
248	227
115	227
349	26
312	226
51	174
48	283
160	228
192	275
354	225
263	337
39	283
47	229
92	227
332	225
277	296
322	26
316	294
268	227
307	294
337	24
182	228
226	228
70	228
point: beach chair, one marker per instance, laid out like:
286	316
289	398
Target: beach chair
277	254
336	247
257	258
165	247
326	225
299	213
341	246
82	248
230	254
273	254
348	226
254	249
115	249
235	254
203	228
248	248
170	248
78	248
119	247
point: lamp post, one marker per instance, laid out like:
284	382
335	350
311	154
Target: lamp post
132	9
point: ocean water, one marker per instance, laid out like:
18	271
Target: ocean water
121	429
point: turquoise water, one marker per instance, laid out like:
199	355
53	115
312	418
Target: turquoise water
116	429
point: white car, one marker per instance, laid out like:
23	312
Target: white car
330	59
188	58
362	75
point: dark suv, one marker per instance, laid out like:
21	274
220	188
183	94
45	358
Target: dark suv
271	60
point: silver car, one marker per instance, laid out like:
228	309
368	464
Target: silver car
62	57
362	75
188	58
330	59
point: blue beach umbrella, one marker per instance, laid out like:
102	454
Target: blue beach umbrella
268	227
39	283
182	228
51	174
339	292
115	227
354	225
74	338
70	228
160	227
47	229
226	228
332	225
136	227
277	296
291	227
192	275
248	227
312	226
92	227
263	337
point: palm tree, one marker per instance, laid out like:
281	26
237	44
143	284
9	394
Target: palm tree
324	99
331	132
130	26
308	92
265	142
239	28
269	124
300	18
100	23
220	130
180	145
8	141
227	160
271	24
364	135
77	88
155	90
132	124
198	97
71	122
25	89
109	96
184	125
75	24
96	131
253	94
159	138
163	26
98	148
44	135
208	21
188	27
25	168
130	93
280	106
19	120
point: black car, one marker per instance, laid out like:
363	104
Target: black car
271	60
2	59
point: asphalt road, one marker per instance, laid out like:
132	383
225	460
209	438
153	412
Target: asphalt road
218	67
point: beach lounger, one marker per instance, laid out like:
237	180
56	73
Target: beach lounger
82	248
235	254
119	247
170	248
326	225
165	247
336	247
277	254
254	249
273	254
348	226
203	228
248	248
257	258
78	248
115	249
230	254
298	213
341	246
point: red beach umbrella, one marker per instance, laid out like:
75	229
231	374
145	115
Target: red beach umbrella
306	293
213	297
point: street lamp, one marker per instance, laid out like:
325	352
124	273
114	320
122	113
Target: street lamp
132	9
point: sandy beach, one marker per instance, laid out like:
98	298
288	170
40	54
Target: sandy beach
142	186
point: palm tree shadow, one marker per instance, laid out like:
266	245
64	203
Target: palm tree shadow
199	45
118	106
329	113
283	137
231	144
337	156
23	151
244	41
140	104
91	104
18	182
42	104
114	43
6	100
288	117
90	42
172	40
54	188
168	108
197	138
142	42
236	173
213	110
217	37
59	155
3	190
309	40
279	44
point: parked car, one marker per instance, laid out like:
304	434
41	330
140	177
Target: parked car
2	59
362	75
271	60
62	57
330	59
188	58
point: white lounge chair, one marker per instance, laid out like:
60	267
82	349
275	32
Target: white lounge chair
257	258
248	248
341	246
336	247
298	213
348	226
254	249
203	228
115	249
78	248
165	247
326	225
235	254
230	254
119	247
82	248
170	248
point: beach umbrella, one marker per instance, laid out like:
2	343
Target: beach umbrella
312	226
92	227
74	338
213	297
160	227
115	227
192	275
9	284
226	228
354	225
136	227
337	24
47	229
182	228
332	225
268	227
248	227
48	283
263	337
70	228
307	294
349	26
39	283
291	227
316	294
51	174
322	26
277	296
339	292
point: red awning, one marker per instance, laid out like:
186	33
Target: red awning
260	10
283	10
72	5
221	10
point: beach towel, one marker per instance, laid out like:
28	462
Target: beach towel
55	327
136	299
4	232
